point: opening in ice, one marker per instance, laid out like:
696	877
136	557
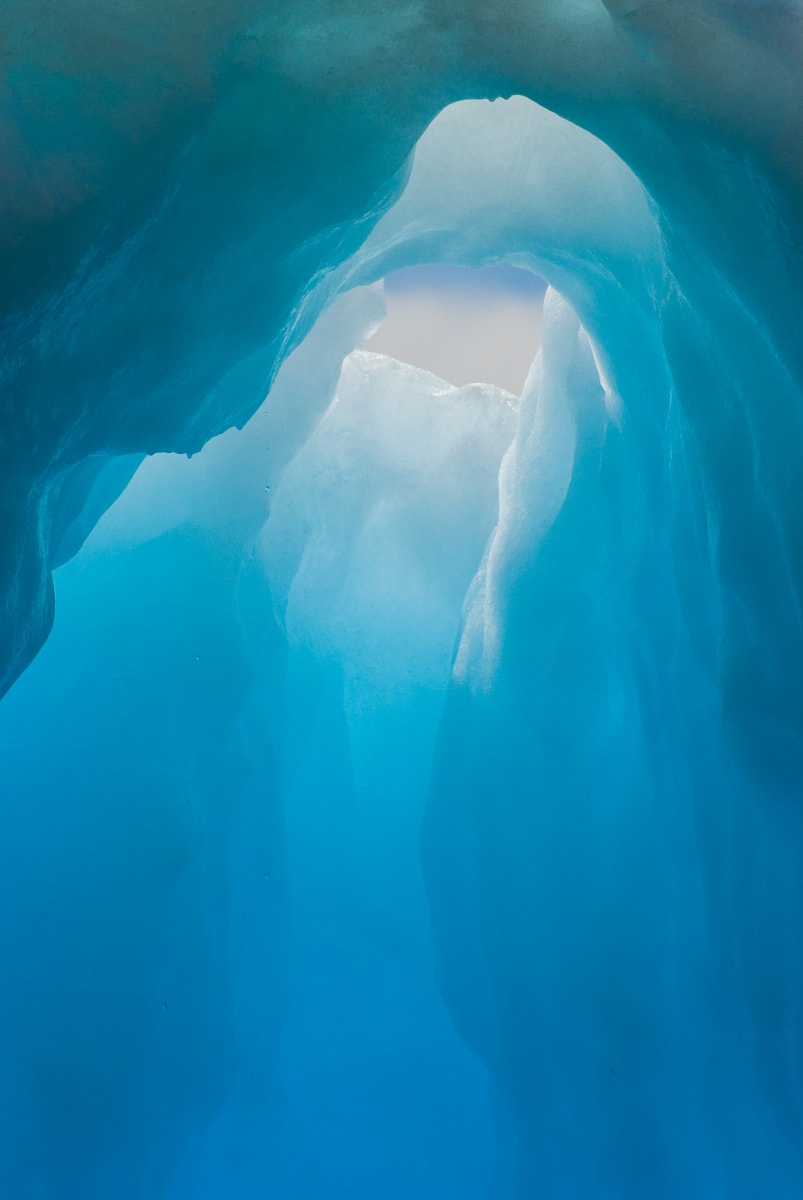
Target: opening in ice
465	325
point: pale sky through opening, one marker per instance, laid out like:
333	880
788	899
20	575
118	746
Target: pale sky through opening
465	325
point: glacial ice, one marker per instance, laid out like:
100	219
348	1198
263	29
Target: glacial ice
175	179
407	800
243	964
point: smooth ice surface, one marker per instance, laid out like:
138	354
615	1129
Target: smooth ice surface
408	800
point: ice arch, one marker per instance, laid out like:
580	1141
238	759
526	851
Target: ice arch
596	930
157	165
243	732
228	805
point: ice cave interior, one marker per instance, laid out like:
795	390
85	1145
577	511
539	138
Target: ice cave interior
406	803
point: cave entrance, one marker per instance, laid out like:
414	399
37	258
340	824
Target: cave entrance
464	324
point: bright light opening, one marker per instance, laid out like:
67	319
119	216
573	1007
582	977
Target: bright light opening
464	325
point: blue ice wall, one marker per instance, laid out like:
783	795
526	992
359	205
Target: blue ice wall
407	803
219	977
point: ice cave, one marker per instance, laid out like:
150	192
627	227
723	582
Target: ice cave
401	758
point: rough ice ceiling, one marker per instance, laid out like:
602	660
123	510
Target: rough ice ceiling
407	802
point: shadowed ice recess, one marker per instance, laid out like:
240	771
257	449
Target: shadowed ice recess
407	802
